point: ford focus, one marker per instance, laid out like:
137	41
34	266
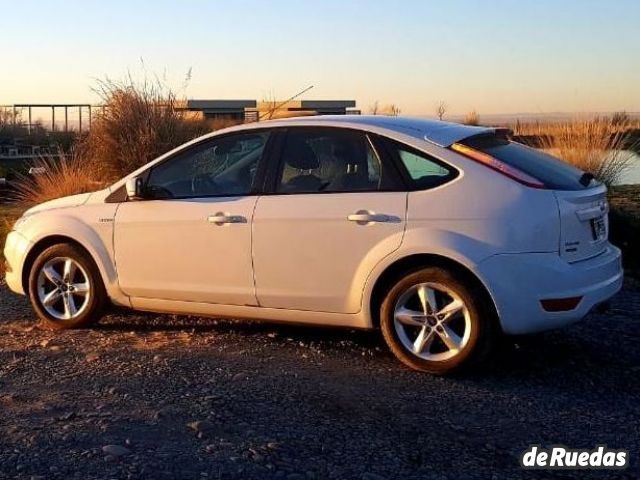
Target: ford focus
443	236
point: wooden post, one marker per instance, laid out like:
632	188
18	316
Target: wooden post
29	127
66	118
80	118
89	117
53	118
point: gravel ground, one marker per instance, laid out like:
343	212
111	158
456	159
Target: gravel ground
151	396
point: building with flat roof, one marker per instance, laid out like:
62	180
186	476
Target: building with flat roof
78	117
219	109
241	110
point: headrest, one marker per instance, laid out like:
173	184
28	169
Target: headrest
300	155
343	148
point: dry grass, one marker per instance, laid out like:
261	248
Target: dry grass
472	118
139	123
619	122
62	176
598	146
5	228
220	123
8	215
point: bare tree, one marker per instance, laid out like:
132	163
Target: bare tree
390	109
10	123
441	109
393	110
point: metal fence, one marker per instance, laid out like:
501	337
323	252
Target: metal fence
20	115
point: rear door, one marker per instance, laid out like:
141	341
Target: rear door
334	210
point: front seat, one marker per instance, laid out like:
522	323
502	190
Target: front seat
301	156
354	175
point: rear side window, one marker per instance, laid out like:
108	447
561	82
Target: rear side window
420	167
421	170
553	173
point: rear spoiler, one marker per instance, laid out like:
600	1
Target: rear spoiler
451	133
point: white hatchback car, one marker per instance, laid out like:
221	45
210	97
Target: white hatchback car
439	234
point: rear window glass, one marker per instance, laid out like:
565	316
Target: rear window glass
552	172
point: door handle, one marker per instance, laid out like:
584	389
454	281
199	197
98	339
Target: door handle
222	219
363	217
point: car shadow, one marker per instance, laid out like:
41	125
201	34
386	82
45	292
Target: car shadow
570	352
125	320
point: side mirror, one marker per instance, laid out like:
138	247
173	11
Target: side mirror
134	188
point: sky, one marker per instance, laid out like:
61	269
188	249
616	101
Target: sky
494	56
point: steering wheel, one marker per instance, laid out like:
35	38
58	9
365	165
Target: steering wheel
156	192
202	183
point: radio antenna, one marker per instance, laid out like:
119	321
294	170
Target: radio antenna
271	111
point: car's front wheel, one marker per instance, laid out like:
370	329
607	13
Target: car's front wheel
434	321
65	287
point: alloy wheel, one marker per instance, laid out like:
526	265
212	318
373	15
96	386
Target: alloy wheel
64	288
432	321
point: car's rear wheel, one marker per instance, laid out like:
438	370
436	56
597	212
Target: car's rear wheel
436	322
65	287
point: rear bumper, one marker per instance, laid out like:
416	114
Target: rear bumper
15	252
518	282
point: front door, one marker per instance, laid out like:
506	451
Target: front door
335	211
191	239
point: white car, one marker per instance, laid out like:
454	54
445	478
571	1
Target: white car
441	235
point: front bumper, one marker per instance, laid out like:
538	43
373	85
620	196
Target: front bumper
517	283
15	252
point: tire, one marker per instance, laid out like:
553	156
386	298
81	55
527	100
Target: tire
421	337
65	288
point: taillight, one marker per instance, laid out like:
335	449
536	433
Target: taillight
497	165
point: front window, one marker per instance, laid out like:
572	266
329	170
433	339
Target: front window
224	166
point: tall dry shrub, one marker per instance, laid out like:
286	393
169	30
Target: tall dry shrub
472	118
59	175
599	146
138	123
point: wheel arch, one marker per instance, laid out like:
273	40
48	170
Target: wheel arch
417	261
48	241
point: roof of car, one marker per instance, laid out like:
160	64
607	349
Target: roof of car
438	132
